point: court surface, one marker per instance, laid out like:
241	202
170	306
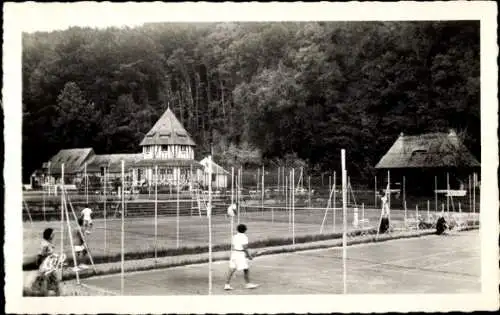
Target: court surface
431	264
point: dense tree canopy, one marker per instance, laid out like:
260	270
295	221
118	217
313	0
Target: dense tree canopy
254	92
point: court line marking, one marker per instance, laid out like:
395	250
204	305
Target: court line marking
270	256
96	288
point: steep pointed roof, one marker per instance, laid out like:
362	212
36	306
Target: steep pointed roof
426	151
168	131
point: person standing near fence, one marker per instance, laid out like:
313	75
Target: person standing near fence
239	258
86	215
384	222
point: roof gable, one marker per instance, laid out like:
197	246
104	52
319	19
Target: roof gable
428	150
216	169
167	130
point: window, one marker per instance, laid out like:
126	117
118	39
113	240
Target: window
213	177
183	148
170	171
164	148
102	170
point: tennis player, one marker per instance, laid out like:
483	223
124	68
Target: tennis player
86	214
239	258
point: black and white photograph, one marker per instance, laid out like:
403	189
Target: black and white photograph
245	157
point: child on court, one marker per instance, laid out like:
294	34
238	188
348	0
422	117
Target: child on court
86	214
239	258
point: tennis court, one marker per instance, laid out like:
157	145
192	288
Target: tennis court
431	264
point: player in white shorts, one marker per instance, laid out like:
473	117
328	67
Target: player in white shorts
239	258
87	218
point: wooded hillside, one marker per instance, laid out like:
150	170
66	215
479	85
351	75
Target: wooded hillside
270	90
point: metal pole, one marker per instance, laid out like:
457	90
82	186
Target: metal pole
86	184
435	194
62	211
293	205
474	197
309	190
334	200
70	238
105	223
344	215
123	231
376	195
43	207
209	213
404	191
156	213
178	209
232	202
448	194
262	187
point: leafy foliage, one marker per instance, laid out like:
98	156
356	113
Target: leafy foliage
253	92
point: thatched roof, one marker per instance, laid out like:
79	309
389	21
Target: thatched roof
428	151
216	169
73	159
113	162
168	131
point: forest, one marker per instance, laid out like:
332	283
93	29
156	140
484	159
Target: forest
253	93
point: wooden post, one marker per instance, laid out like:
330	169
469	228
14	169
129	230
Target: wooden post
123	231
178	209
86	184
293	205
62	211
435	194
232	202
309	190
156	213
209	213
448	194
334	199
404	191
344	215
104	214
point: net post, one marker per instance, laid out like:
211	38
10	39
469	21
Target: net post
122	278
375	191
344	215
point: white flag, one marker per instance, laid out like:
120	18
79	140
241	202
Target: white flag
230	210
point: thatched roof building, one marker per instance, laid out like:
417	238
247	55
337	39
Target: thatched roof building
73	160
432	150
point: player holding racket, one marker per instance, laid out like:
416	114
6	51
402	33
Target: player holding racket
239	258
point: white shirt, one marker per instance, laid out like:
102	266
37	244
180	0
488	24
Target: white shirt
239	240
86	213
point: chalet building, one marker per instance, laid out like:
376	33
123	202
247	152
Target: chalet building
167	148
424	159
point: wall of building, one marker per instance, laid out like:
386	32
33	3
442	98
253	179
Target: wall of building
165	152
